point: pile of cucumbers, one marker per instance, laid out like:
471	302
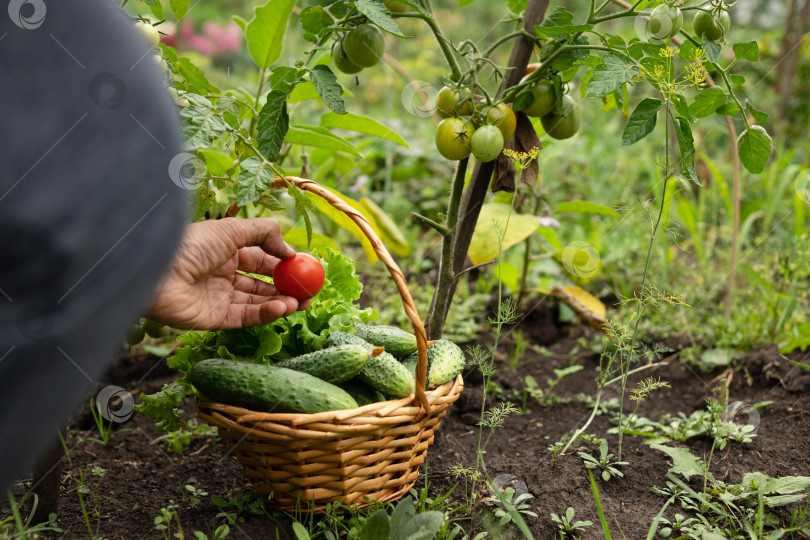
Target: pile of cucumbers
375	364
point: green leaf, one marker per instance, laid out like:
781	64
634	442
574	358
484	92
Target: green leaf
283	78
265	32
161	405
376	527
585	207
203	123
402	514
157	9
712	49
686	143
377	13
385	227
737	79
728	109
683	462
642	122
314	19
687	51
319	137
318	242
758	115
559	17
707	101
523	100
362	124
254	178
746	50
755	147
300	531
216	162
517	6
179	7
328	88
492	219
422	526
273	124
682	108
343	220
302	92
614	71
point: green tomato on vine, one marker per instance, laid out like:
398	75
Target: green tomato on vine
448	100
487	143
562	124
364	45
453	137
714	28
664	24
543	98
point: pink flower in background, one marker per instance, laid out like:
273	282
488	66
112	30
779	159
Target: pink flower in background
213	39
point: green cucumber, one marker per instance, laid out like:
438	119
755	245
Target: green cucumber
361	392
446	360
410	362
395	340
260	387
338	338
333	365
386	374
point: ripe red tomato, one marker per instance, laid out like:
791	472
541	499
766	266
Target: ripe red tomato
301	276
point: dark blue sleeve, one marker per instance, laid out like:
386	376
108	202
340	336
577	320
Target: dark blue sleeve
89	214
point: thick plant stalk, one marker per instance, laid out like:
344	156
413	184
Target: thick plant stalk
473	197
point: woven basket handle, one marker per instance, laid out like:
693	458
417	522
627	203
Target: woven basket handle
393	269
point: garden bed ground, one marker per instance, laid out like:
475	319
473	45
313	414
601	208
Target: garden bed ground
142	477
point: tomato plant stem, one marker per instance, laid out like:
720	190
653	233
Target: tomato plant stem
444	43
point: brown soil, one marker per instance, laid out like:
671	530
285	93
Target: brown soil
142	476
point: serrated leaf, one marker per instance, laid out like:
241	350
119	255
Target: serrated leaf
683	462
758	115
686	143
642	121
253	179
362	124
585	207
265	31
707	101
328	88
273	125
179	8
746	50
786	484
559	17
614	71
314	19
712	49
377	13
319	137
203	123
755	147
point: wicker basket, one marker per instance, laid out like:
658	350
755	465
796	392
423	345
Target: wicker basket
356	456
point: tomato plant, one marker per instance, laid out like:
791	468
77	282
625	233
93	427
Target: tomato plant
342	61
301	276
454	102
453	137
665	23
365	45
543	99
563	123
713	27
503	117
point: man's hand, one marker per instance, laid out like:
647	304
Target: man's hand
203	290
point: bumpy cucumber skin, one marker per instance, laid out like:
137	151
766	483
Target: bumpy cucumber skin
361	392
446	360
339	338
410	362
333	365
395	340
260	387
386	374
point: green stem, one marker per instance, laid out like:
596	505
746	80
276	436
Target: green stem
256	101
444	43
595	491
446	274
489	50
526	258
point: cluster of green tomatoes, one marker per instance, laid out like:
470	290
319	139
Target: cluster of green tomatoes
473	126
361	47
666	21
